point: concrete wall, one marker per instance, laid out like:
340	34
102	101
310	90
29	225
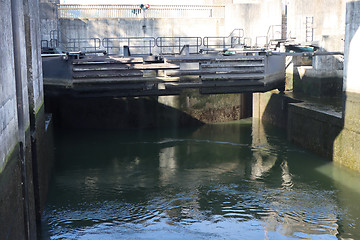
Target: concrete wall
329	22
254	17
332	134
324	77
348	142
86	28
21	119
48	18
311	125
8	110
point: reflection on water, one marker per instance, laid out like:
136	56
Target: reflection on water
225	181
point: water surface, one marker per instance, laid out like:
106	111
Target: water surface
224	181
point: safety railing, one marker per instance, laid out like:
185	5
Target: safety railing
273	34
144	45
60	40
134	11
83	44
235	38
173	45
137	45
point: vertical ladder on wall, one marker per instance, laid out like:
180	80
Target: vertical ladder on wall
309	29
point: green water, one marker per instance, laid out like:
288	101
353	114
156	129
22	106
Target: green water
225	181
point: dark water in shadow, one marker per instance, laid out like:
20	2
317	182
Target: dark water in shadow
224	181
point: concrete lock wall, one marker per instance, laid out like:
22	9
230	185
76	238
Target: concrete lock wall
22	121
331	133
48	19
255	17
348	142
322	23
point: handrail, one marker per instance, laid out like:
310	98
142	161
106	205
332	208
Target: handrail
234	39
131	42
270	36
272	27
46	44
76	44
178	43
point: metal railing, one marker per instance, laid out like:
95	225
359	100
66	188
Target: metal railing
83	44
173	45
140	45
133	11
235	38
60	40
273	33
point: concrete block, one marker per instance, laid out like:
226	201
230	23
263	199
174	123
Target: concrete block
317	83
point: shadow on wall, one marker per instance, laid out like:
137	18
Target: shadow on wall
314	125
348	142
116	113
318	76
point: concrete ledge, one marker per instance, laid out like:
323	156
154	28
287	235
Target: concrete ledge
313	125
318	83
314	128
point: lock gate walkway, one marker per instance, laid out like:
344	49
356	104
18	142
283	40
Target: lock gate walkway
109	76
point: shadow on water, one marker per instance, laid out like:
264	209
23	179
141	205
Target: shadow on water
238	180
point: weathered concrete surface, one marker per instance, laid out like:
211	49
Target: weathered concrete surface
272	107
347	145
328	133
48	18
329	22
255	17
8	113
324	77
211	108
32	31
311	124
317	83
248	15
12	209
17	217
21	99
314	127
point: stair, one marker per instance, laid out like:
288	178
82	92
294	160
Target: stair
116	74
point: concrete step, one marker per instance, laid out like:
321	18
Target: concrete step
133	80
212	77
213	71
233	89
231	65
205	58
214	84
111	87
107	60
113	67
107	74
